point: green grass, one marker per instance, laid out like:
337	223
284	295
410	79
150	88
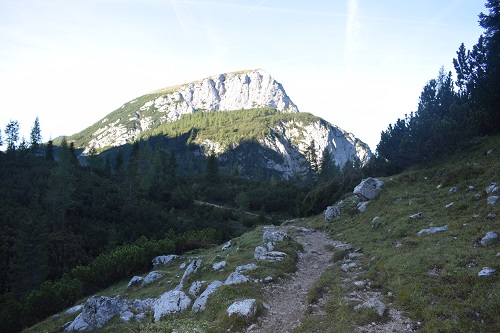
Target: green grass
433	277
214	319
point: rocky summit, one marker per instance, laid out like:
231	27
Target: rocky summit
283	144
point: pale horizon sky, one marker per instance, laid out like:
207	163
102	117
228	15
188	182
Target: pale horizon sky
358	64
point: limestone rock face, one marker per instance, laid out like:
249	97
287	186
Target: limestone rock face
200	303
97	311
283	148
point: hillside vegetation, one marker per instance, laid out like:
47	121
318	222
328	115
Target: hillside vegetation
431	278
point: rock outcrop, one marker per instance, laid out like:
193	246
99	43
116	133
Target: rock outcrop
245	309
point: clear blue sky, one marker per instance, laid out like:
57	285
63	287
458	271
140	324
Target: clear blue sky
360	64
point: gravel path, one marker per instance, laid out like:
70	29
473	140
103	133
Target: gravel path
287	302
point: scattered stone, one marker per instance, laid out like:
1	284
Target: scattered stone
450	205
489	152
140	317
362	206
368	188
200	303
375	219
472	187
492	188
195	288
235	278
135	281
477	196
227	245
454	189
74	309
372	303
331	212
348	266
432	230
486	271
152	277
164	260
417	216
219	265
246	308
490	237
302	229
270	246
492	200
247	267
268	279
172	301
492	215
142	305
359	283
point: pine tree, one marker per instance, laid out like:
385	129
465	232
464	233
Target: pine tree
35	136
12	133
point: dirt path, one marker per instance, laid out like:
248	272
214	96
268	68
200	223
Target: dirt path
287	302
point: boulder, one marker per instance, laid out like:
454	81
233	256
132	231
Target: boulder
135	281
126	316
245	309
331	212
488	238
372	303
163	260
432	230
152	277
219	265
492	199
235	278
97	311
172	301
451	204
226	246
368	188
142	305
200	303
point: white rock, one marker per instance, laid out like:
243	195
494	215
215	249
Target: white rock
192	268
492	199
172	301
200	303
368	188
432	230
331	212
235	278
219	265
97	312
450	205
274	236
492	188
417	216
74	309
247	267
135	281
227	245
372	303
126	316
195	288
164	260
152	277
488	238
486	271
246	308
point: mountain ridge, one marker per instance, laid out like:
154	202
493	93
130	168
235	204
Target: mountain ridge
247	90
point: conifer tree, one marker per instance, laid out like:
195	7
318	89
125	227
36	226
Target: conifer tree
35	136
12	133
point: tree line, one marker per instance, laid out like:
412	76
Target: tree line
450	112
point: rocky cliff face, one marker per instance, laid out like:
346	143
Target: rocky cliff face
282	150
224	92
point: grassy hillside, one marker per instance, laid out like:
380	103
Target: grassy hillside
433	277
